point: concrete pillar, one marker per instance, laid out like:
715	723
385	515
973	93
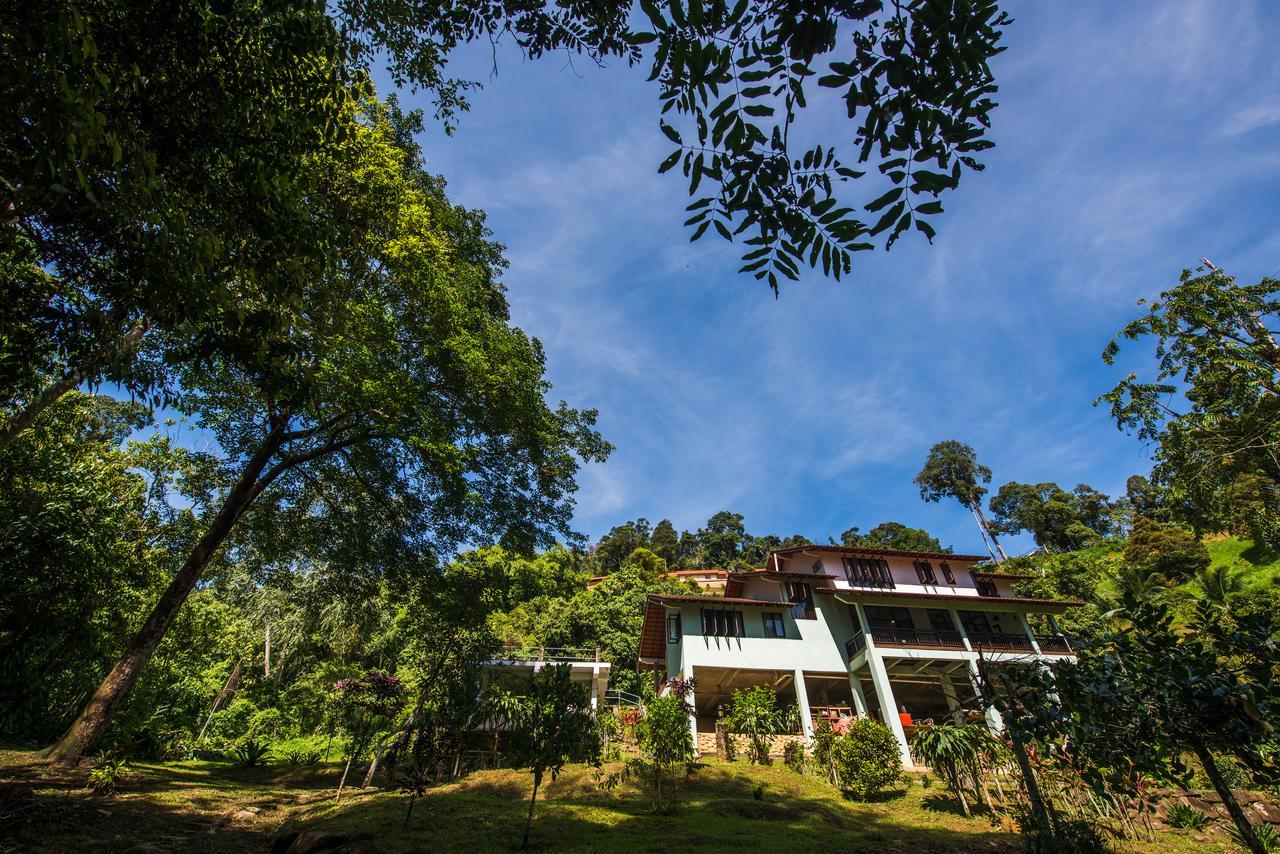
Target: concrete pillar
994	721
953	702
693	715
1026	627
888	706
964	636
859	698
595	688
802	697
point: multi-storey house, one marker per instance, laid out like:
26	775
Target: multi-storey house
894	635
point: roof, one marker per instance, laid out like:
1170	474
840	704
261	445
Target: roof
653	640
715	600
1014	576
988	600
708	571
862	550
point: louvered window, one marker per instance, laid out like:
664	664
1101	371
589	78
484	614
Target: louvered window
867	572
947	573
721	623
924	571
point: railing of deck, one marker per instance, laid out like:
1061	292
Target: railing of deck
550	653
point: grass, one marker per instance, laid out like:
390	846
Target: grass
215	807
1257	568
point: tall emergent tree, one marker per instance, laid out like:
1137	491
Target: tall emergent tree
952	470
1059	520
414	390
1213	408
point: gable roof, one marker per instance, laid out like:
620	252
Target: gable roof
863	550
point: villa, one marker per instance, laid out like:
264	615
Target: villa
895	635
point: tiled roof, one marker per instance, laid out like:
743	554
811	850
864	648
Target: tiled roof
862	550
714	600
1015	576
988	600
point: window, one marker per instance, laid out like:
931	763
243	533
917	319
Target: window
800	596
673	628
867	572
975	623
882	617
717	622
986	587
940	621
774	627
947	573
924	571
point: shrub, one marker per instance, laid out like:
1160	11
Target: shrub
867	759
1235	775
1187	817
252	752
794	756
1266	834
267	723
754	711
107	774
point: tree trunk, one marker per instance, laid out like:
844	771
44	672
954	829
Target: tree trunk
982	521
228	688
86	731
266	652
70	380
528	821
1247	833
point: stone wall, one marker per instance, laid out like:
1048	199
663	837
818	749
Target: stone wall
777	743
1258	807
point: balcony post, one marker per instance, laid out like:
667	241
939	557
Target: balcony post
994	721
964	636
859	698
888	706
953	702
693	706
1026	627
802	697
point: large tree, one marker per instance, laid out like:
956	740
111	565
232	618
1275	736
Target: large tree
1059	520
893	535
415	390
1213	407
952	470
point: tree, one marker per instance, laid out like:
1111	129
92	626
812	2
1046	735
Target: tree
957	753
416	395
617	545
1168	551
914	76
1217	353
867	758
663	735
722	540
952	470
1059	520
893	535
155	185
754	711
553	726
665	542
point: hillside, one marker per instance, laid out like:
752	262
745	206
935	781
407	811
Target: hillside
1257	569
214	807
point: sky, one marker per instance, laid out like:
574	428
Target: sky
1132	139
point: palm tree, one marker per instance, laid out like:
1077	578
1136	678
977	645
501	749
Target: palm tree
1216	584
956	752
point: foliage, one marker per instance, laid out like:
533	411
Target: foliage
1265	835
754	711
250	752
867	759
1186	817
1216	451
793	756
664	738
952	470
106	774
1168	551
551	726
1059	520
893	535
959	753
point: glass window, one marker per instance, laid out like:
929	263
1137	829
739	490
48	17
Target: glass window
924	571
673	628
867	572
800	596
940	621
975	623
720	623
774	626
882	617
947	573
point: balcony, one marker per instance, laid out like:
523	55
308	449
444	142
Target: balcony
1055	645
854	645
927	638
993	641
512	652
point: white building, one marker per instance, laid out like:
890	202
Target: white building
891	634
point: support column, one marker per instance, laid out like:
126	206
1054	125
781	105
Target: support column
888	706
802	697
859	698
1026	627
693	715
595	688
994	721
953	702
964	636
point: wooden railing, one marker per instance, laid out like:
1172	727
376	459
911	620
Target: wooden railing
994	641
549	653
1055	644
918	637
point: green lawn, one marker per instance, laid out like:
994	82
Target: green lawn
1258	569
200	806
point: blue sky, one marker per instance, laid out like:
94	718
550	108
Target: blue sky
1132	139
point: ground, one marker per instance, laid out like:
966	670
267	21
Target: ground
208	807
1257	568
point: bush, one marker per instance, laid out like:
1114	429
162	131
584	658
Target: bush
754	711
252	752
1266	834
794	757
106	775
268	724
867	759
1235	775
1187	817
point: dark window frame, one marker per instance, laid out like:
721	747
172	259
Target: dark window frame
868	572
940	620
774	624
924	571
898	617
946	572
674	630
723	623
800	598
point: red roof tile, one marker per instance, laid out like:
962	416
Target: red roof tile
989	600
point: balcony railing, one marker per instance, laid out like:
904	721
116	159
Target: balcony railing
1055	644
855	645
549	653
917	637
992	640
